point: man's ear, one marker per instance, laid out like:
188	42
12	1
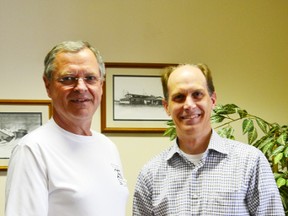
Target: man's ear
165	105
47	85
213	99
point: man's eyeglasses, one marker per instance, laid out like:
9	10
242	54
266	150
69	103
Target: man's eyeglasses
73	81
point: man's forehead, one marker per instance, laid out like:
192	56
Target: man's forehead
186	71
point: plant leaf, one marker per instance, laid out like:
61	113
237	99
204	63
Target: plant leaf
226	132
285	152
277	175
222	132
218	109
282	138
215	118
232	106
278	150
231	109
226	109
278	158
267	147
242	113
280	182
259	141
173	136
274	128
170	123
262	125
247	125
168	131
252	135
265	142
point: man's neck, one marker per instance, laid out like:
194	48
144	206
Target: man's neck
76	127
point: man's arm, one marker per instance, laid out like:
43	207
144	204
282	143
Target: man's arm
263	195
26	187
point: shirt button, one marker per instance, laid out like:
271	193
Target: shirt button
195	196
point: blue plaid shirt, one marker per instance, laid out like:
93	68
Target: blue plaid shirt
232	178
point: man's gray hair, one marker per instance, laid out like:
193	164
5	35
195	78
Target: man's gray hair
73	47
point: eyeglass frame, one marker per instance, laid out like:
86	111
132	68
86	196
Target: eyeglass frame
74	80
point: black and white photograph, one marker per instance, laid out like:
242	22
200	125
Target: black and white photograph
17	118
138	98
132	98
13	126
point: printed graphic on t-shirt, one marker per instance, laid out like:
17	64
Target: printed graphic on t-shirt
119	175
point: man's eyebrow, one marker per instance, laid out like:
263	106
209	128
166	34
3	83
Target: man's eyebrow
61	73
76	73
176	94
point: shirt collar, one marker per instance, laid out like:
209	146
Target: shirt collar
216	143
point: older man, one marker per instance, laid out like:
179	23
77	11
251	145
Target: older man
64	167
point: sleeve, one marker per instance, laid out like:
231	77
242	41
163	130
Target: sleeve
26	186
263	195
142	200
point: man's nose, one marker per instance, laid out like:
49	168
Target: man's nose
80	84
189	103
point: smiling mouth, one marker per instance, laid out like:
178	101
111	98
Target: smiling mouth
190	117
80	100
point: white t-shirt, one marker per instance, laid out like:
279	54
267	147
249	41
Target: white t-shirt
193	158
53	172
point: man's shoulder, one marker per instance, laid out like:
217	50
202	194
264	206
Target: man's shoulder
159	161
238	149
234	149
241	146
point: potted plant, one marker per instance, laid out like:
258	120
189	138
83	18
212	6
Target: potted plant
270	138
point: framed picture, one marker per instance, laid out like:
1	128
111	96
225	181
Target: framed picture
17	118
132	98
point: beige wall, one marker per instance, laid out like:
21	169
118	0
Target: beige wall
244	43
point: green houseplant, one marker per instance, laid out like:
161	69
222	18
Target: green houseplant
270	138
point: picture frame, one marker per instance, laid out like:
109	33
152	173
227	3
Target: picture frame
132	98
17	118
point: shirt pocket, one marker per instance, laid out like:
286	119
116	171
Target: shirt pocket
226	203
